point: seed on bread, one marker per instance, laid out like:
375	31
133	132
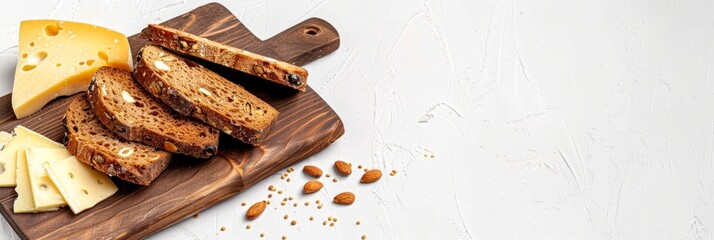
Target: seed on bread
161	65
169	146
125	152
128	98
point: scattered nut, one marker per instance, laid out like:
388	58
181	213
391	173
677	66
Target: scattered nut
371	176
312	186
345	198
345	169
312	171
255	210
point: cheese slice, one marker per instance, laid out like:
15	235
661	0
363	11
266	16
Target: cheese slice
44	191
23	138
24	203
5	137
58	58
81	186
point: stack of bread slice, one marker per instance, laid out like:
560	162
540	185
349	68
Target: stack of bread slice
129	123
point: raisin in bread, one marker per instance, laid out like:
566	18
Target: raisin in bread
92	143
238	59
123	106
193	90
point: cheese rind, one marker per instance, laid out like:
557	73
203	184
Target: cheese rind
58	58
81	186
44	192
23	138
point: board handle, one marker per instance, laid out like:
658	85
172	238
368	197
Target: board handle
303	43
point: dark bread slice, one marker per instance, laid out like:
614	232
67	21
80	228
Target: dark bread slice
193	90
254	64
92	143
124	107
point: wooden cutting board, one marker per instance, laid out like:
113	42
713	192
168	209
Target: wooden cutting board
306	125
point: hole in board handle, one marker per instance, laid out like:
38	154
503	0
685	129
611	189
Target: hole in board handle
312	30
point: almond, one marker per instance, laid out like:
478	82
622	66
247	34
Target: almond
343	168
255	210
312	186
312	171
371	176
345	198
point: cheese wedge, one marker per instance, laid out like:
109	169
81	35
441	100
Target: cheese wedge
58	58
44	191
23	138
81	186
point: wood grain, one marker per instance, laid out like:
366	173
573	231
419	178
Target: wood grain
305	126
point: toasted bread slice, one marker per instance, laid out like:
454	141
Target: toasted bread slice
124	107
92	143
193	90
254	64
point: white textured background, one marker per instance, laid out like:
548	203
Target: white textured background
549	119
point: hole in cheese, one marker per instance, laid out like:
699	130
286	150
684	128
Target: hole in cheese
85	192
28	67
100	181
71	175
24	55
103	56
34	60
90	62
43	187
52	29
2	167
